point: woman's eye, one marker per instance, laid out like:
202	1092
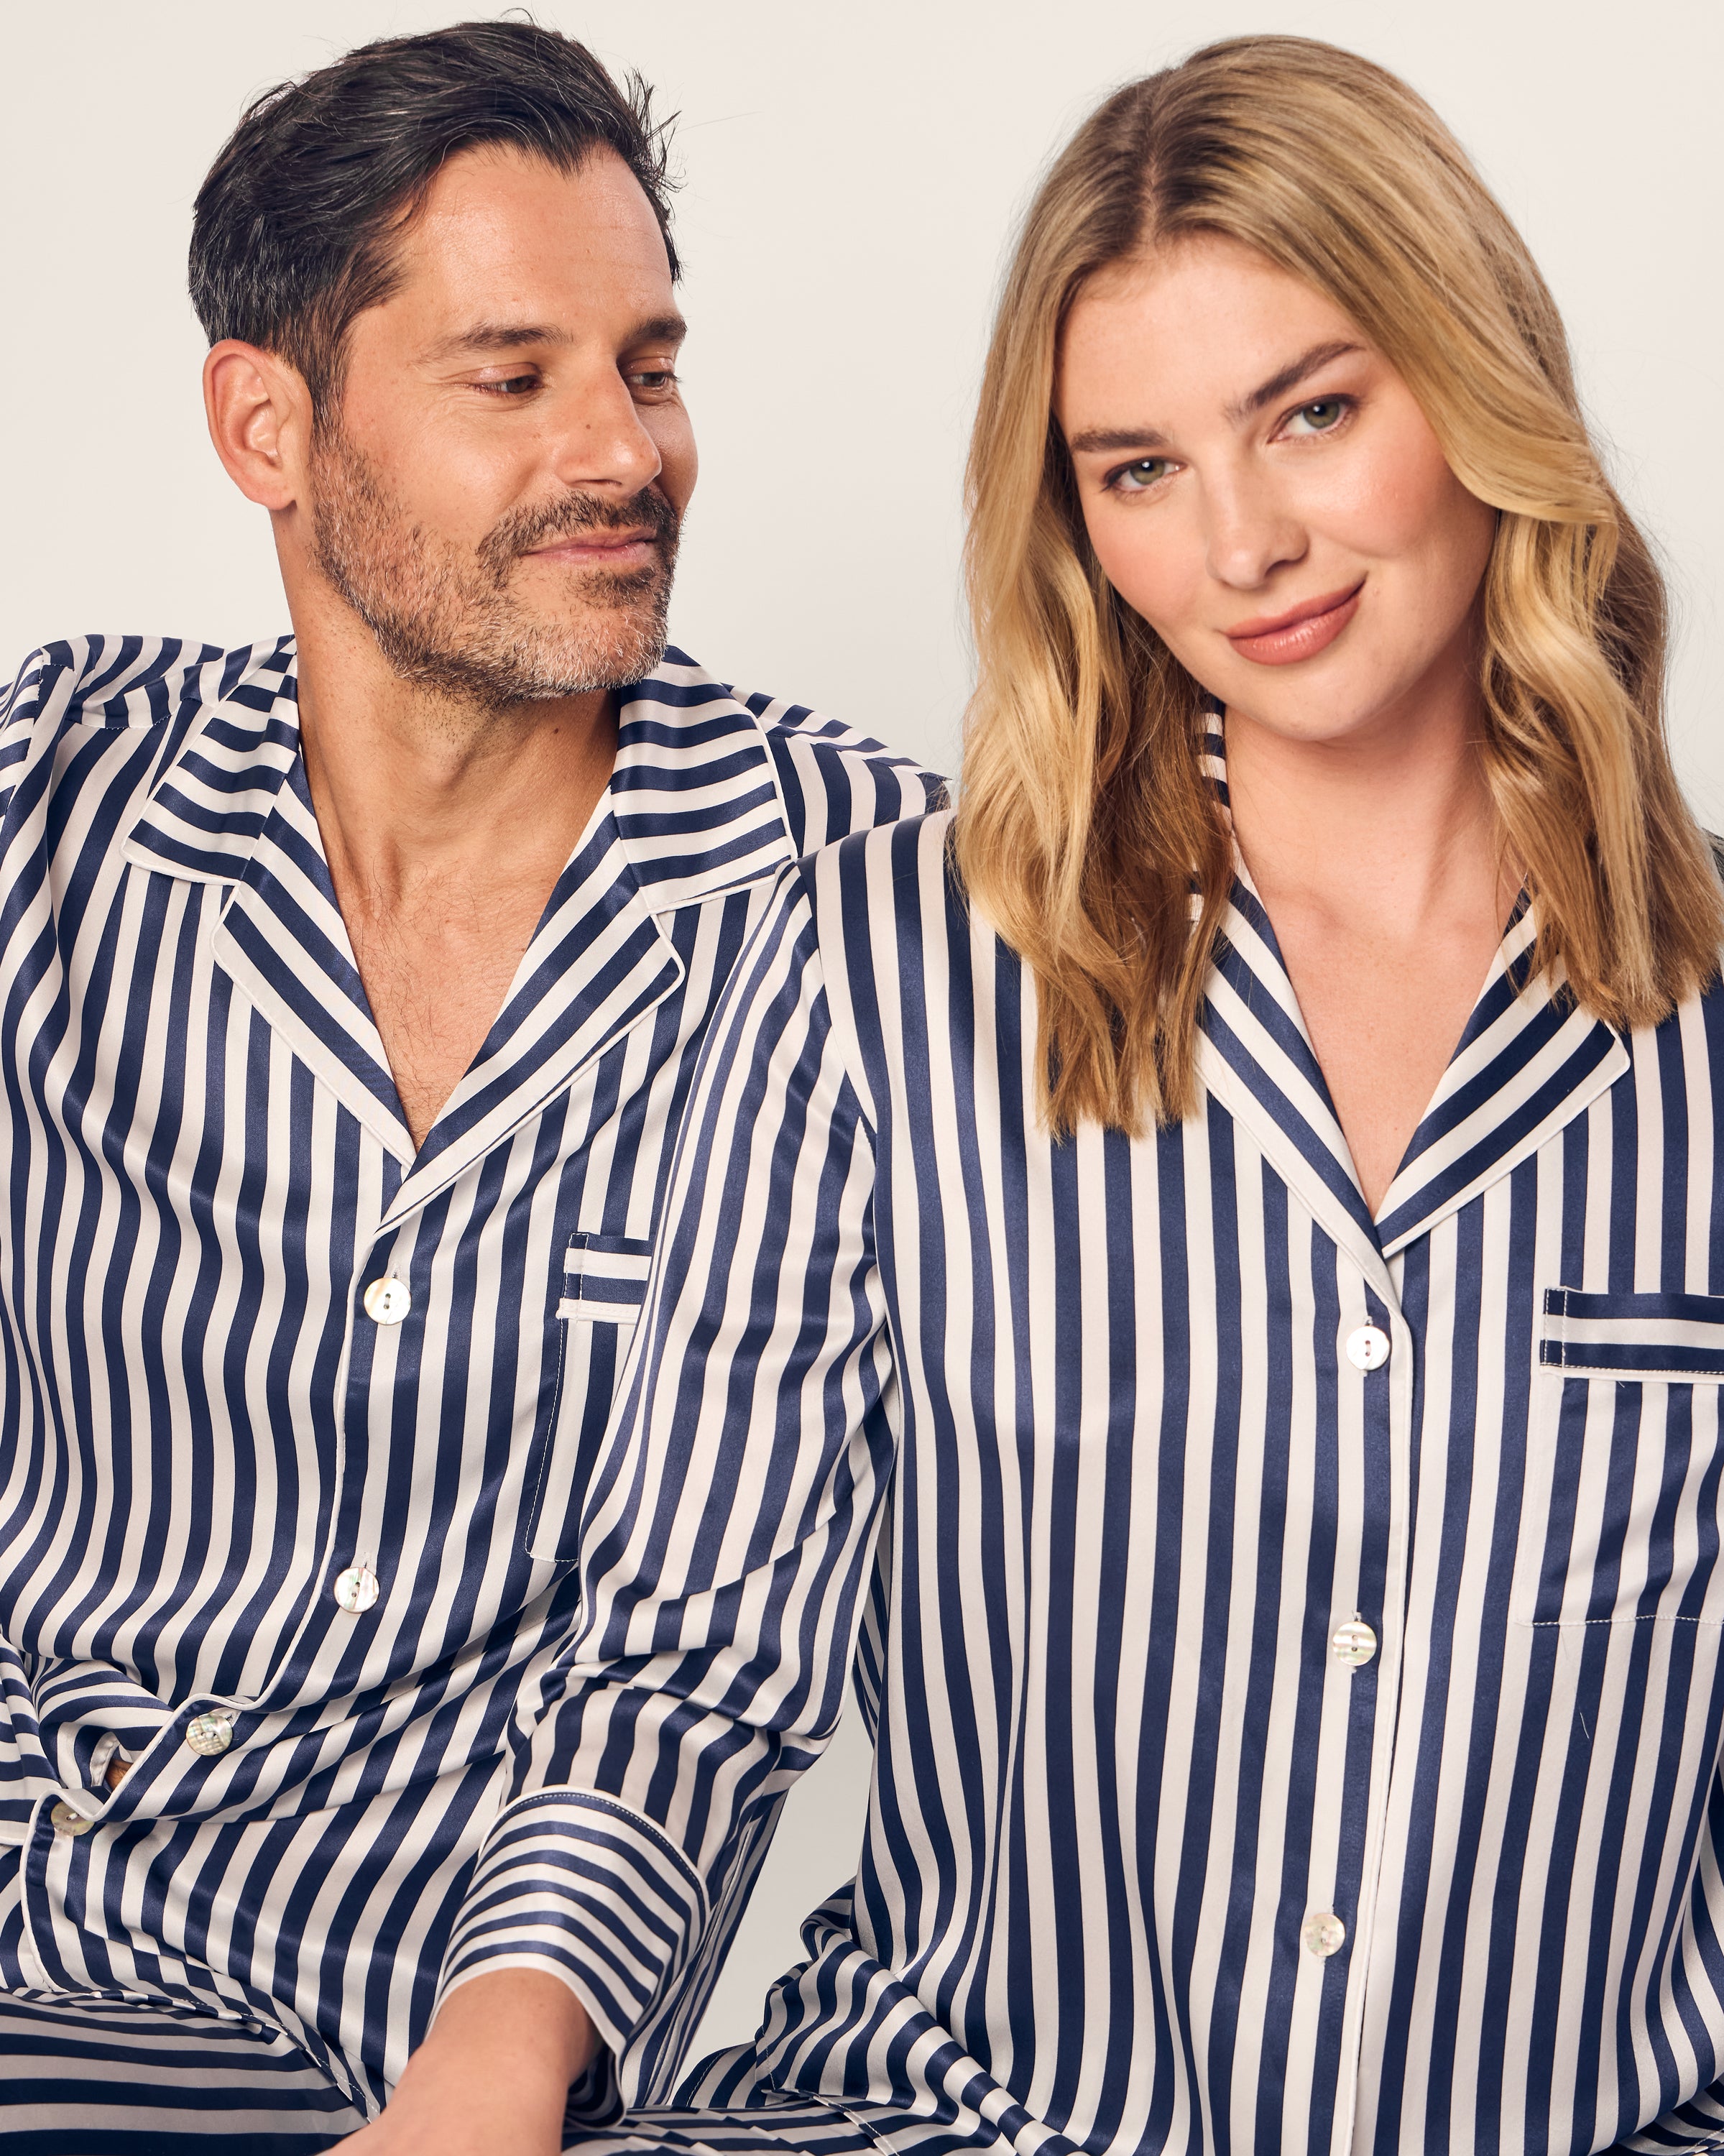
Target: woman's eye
1320	417
1134	478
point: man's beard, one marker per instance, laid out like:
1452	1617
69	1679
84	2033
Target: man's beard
452	622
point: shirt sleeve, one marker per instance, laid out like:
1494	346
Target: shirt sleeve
20	707
726	1542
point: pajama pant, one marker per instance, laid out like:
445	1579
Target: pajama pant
121	2080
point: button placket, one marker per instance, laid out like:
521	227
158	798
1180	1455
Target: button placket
387	1302
1383	1405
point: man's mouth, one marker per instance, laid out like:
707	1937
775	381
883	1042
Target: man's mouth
602	549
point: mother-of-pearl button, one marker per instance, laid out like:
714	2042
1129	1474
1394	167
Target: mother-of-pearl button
210	1733
388	1300
1367	1347
69	1819
1354	1643
1324	1935
356	1589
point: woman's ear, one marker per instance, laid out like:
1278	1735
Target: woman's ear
259	415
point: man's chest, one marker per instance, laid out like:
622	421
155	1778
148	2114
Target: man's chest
437	965
434	999
244	1361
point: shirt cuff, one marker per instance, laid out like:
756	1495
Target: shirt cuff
584	1889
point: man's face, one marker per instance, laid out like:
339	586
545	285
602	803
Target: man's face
498	493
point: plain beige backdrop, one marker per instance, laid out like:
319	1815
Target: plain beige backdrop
852	174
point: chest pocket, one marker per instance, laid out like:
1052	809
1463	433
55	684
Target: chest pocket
604	1280
1623	1521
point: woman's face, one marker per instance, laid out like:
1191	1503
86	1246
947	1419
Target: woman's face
1260	485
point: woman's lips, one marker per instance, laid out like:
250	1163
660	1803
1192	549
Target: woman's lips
1300	632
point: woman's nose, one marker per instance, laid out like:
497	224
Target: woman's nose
1250	534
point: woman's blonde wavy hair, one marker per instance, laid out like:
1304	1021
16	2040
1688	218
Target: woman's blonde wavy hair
1084	825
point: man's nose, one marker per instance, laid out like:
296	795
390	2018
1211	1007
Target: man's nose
598	440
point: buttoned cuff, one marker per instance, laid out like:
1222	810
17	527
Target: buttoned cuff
584	1889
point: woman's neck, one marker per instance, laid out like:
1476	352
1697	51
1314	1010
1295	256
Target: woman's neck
1380	860
1396	819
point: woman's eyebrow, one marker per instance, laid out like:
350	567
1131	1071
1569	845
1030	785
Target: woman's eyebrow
1092	440
1291	376
1089	438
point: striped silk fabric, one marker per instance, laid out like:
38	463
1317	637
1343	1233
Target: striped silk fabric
1293	1638
216	1448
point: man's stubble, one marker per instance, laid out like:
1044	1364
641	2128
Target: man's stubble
448	620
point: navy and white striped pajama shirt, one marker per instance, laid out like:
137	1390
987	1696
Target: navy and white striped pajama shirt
298	1544
1292	1638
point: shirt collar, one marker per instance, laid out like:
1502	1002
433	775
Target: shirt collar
238	739
693	792
1529	1060
692	809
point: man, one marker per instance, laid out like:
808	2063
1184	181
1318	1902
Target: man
352	990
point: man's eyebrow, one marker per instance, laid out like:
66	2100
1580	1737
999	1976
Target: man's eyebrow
496	336
659	329
1092	440
514	336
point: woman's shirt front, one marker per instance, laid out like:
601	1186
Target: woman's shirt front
1293	1638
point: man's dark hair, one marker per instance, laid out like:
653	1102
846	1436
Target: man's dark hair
296	230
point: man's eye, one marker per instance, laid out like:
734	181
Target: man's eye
1318	418
1134	478
513	385
654	378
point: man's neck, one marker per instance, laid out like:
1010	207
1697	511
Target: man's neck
412	785
445	826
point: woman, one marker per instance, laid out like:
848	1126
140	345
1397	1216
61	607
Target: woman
1236	1327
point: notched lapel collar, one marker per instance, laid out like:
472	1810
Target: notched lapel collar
1529	1062
694	791
207	807
282	940
693	810
233	807
1255	1056
597	964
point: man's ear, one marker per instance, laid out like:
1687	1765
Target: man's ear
259	415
